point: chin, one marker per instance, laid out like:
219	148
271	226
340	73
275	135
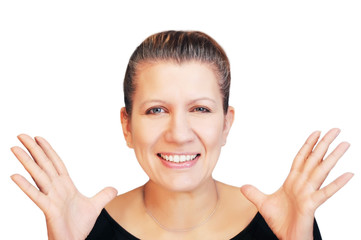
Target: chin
182	184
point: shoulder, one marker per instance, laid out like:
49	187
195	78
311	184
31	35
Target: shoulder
119	214
232	196
233	215
247	222
235	211
127	207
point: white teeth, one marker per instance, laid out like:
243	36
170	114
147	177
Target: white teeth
178	158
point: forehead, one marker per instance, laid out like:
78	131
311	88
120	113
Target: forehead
188	79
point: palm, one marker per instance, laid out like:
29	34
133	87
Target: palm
69	210
69	214
285	209
290	211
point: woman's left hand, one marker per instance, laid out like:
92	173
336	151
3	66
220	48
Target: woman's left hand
289	212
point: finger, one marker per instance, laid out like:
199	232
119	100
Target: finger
38	154
305	151
52	155
34	194
253	195
104	197
325	193
39	176
321	172
320	150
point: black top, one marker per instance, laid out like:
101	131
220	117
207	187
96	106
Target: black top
107	228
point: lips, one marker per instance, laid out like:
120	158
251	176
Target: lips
178	160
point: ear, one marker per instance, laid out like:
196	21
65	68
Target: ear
125	120
228	121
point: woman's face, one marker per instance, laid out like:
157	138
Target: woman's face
177	126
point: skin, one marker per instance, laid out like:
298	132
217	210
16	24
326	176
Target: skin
178	109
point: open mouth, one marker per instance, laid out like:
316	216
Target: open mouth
178	158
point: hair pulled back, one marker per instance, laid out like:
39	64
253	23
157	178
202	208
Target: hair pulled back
180	47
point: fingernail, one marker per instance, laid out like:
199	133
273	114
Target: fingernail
20	136
318	133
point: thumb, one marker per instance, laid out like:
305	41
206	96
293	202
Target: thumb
103	197
254	195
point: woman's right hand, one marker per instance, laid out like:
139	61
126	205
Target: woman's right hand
69	214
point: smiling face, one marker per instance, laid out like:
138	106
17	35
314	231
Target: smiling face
177	126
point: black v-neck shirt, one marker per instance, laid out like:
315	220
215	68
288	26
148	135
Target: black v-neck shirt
106	228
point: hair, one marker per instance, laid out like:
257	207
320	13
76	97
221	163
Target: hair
180	47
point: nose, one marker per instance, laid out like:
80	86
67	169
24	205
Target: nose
179	129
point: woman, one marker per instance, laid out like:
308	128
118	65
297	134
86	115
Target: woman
177	118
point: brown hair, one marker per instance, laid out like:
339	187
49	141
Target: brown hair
178	46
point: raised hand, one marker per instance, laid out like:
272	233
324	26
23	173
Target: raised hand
289	212
69	214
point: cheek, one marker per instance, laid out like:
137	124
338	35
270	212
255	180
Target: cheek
210	132
144	132
145	136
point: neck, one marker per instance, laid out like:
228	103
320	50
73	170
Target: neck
181	211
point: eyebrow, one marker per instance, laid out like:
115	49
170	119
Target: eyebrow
203	98
165	102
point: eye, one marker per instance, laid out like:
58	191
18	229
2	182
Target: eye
155	110
201	109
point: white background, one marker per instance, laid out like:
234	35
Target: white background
296	68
